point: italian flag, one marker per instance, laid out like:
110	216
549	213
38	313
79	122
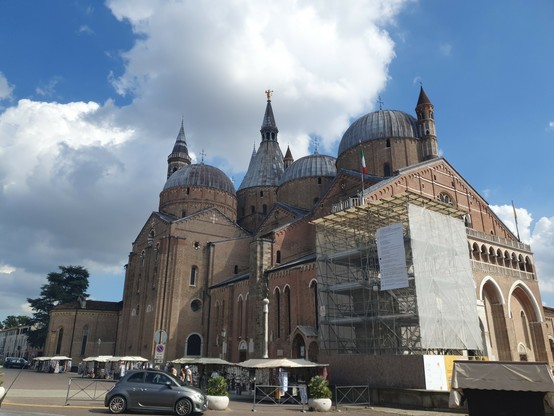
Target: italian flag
363	159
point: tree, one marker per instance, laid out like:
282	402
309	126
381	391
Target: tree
62	287
13	321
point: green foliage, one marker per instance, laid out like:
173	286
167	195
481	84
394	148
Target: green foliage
318	388
12	321
217	386
63	287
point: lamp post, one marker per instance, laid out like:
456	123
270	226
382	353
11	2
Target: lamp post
223	343
266	327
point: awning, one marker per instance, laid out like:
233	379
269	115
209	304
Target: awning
128	358
201	360
279	362
99	359
497	375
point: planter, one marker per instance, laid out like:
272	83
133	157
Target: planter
320	405
218	402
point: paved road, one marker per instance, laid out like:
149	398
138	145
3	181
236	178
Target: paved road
41	394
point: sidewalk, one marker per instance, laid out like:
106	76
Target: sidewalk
32	393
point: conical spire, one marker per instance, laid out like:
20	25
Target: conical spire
179	156
288	158
266	165
423	99
269	128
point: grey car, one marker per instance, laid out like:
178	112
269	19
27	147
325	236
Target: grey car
154	390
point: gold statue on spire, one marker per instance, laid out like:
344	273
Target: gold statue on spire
268	94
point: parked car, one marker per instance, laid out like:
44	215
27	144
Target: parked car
154	390
15	362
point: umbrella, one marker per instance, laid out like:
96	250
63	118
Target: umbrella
279	362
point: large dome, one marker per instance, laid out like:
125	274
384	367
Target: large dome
309	166
200	175
380	124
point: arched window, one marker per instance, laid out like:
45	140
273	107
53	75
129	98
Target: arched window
278	257
313	286
288	311
386	170
59	344
241	317
84	340
193	275
387	143
525	325
278	314
444	197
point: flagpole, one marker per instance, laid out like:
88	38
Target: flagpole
362	170
515	217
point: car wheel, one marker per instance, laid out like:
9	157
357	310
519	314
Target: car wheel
117	404
183	407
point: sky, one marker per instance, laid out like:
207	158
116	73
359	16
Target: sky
92	96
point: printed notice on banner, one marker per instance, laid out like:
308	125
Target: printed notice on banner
392	257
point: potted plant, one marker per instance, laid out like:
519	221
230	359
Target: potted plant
2	389
217	393
319	394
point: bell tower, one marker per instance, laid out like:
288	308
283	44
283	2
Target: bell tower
426	126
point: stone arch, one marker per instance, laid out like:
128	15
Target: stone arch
298	349
535	305
313	352
526	316
494	321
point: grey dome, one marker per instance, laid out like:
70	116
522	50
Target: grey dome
380	124
200	175
309	166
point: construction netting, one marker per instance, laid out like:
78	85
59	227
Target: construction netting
395	278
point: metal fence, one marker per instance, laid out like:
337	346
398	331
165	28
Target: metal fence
87	389
354	395
277	395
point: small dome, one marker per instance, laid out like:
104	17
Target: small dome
308	166
200	175
380	124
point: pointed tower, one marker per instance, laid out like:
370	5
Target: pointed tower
258	190
179	156
288	158
426	126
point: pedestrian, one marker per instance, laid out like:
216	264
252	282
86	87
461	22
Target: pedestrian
182	374
173	371
188	374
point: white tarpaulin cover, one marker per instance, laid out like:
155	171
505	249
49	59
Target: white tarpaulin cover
392	257
279	362
497	375
446	300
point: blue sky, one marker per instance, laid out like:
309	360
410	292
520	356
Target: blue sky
92	95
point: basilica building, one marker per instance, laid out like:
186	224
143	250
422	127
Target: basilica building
369	260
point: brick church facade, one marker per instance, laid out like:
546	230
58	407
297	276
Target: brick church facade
202	264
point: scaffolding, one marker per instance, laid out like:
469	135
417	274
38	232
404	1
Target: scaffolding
356	316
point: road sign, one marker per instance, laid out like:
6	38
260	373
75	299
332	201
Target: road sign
160	336
160	352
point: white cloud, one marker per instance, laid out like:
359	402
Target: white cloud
323	61
78	179
445	49
5	88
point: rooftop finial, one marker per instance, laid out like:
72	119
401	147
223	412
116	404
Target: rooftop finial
315	142
380	102
268	94
202	154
